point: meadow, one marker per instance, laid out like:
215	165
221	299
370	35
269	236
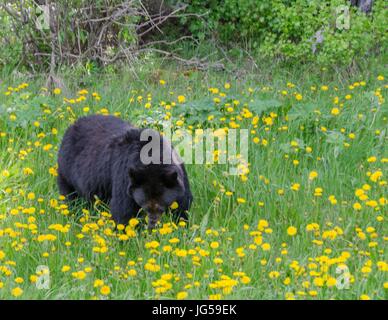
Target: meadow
305	219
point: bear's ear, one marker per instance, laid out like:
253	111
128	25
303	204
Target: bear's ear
129	136
135	176
171	179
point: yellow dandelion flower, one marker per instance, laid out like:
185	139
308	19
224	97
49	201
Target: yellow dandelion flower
105	290
17	292
291	231
181	295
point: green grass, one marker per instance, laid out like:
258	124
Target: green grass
294	266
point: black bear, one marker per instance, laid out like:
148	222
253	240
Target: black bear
107	157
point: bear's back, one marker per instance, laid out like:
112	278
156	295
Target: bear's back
85	155
99	128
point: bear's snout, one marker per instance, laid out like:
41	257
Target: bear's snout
153	208
154	212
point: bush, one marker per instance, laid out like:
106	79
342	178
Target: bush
304	30
309	30
10	46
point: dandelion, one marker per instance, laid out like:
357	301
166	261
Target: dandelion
357	206
245	279
174	205
313	175
266	246
372	159
274	274
214	245
181	295
291	231
28	171
335	111
132	273
66	268
133	222
98	283
332	199
53	172
241	200
152	245
318	192
19	280
313	293
17	292
5	173
375	176
31	196
319	282
105	290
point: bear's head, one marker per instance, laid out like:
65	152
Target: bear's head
154	188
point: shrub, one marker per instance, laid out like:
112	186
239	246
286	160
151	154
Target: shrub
10	46
313	30
304	30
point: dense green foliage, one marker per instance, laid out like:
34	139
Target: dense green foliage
287	28
10	46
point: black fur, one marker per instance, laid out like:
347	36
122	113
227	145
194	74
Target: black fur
100	155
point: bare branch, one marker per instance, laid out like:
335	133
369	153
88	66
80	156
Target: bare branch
94	32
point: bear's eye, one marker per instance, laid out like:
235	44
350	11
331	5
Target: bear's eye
170	181
137	178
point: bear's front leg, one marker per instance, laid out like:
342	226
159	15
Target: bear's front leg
122	206
122	210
